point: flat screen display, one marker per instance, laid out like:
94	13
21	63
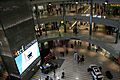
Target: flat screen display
27	57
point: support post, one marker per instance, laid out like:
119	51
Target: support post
64	13
91	19
117	36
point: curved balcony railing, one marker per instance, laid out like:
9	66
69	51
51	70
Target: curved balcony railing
96	20
53	35
76	9
45	14
84	30
80	17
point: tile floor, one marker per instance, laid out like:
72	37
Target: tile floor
75	71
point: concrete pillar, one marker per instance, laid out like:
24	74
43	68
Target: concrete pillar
95	9
91	19
36	11
45	29
117	36
64	13
76	7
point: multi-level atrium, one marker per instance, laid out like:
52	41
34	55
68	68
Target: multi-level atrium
41	38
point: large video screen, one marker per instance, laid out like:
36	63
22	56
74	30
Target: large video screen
27	57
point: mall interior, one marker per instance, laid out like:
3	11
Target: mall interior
59	39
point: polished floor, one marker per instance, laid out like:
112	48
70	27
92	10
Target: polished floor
75	71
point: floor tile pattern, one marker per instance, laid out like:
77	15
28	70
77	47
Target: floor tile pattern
75	71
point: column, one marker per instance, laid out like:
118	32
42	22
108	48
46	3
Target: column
36	11
6	55
76	4
37	15
95	9
45	29
91	18
117	36
94	27
64	11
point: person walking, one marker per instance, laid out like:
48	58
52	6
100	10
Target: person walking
75	55
63	74
54	71
75	43
82	59
47	78
66	51
71	45
78	59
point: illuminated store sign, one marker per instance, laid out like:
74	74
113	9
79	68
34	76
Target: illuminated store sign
115	5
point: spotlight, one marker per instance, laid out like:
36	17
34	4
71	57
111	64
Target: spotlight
76	2
106	2
77	78
49	4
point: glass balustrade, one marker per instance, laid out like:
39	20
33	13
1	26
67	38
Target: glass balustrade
83	9
100	33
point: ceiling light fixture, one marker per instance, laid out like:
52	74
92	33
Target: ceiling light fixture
76	2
